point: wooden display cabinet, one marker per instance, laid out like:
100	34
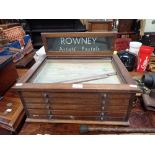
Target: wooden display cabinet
78	86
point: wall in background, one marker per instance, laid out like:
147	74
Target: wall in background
149	25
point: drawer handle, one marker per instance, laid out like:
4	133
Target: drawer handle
104	95
103	102
46	100
35	115
71	117
102	118
50	116
48	106
102	113
45	95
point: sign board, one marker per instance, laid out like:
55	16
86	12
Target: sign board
80	42
63	44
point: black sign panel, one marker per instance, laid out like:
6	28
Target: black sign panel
71	44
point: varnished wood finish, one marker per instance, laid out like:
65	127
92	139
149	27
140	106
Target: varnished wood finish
100	25
141	120
30	72
11	121
8	75
60	101
125	75
27	61
78	122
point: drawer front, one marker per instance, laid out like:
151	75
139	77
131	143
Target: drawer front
82	106
61	95
92	107
64	112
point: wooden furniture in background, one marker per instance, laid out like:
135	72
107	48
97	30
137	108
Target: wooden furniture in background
27	61
8	74
97	25
125	25
11	109
128	28
11	114
35	27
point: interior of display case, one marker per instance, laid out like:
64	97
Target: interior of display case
93	71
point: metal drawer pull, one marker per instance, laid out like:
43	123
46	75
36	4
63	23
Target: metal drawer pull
46	100
102	118
105	95
35	115
102	108
71	117
103	102
45	95
50	116
102	114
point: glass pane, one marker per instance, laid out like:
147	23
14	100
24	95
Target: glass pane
96	71
69	44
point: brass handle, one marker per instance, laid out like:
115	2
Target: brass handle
46	100
45	95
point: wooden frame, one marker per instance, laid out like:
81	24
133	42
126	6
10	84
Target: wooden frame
127	91
108	104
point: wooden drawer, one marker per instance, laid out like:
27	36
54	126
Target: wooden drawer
117	102
64	112
64	107
35	100
77	113
26	94
77	106
66	101
60	95
118	96
116	108
75	95
65	117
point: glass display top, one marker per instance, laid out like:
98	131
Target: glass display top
92	71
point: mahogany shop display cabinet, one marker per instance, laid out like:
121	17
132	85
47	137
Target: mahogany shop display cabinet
78	81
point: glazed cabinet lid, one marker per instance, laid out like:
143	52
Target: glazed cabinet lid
79	43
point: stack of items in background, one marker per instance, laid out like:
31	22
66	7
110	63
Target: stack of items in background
133	54
18	43
136	56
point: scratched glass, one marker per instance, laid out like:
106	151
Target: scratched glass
94	71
